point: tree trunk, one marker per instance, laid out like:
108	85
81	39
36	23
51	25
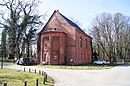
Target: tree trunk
28	49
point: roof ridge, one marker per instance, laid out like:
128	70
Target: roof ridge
68	20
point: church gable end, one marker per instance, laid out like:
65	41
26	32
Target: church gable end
59	42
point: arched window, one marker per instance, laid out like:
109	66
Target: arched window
46	38
86	43
80	40
81	56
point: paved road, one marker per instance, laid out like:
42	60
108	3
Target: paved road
117	76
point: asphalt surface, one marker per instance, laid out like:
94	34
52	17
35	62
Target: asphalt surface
117	76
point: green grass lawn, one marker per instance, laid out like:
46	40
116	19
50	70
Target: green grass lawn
17	78
79	67
76	67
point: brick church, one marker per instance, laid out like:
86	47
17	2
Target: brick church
61	41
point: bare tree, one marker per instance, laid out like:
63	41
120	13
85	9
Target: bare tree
110	33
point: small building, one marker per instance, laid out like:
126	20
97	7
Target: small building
61	41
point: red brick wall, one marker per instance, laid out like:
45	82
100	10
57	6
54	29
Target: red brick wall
86	52
69	46
61	25
56	48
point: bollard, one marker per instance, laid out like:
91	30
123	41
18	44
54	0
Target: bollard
45	76
25	83
24	69
42	73
36	82
39	71
29	70
35	71
5	84
44	80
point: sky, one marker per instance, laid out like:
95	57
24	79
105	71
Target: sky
83	11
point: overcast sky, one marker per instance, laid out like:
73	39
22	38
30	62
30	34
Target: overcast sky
84	10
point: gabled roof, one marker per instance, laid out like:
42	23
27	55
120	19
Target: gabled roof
72	23
68	20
